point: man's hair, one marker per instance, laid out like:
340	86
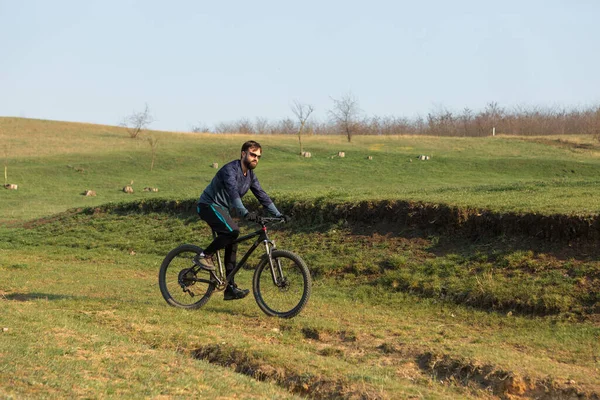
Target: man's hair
251	144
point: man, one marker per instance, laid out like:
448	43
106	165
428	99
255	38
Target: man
224	194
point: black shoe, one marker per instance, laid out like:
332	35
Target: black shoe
233	293
205	263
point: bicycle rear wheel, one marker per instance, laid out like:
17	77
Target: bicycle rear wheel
285	292
182	283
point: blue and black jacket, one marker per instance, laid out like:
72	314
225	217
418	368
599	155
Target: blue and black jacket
229	186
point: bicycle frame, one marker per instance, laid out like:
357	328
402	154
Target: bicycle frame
262	237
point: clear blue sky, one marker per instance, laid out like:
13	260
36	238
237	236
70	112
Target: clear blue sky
204	62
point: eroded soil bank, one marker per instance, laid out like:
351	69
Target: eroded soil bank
403	215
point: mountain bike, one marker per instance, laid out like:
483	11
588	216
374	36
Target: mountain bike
281	283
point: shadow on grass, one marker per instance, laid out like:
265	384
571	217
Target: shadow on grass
24	297
218	305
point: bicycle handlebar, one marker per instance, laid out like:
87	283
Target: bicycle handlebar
266	220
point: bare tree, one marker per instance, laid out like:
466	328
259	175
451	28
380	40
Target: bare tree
494	113
245	126
420	126
302	112
285	126
261	126
6	154
345	113
224	127
593	122
242	125
153	144
466	118
137	122
200	128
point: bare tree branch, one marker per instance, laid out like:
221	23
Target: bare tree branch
345	113
137	122
302	112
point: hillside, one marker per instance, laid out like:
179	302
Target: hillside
475	274
55	162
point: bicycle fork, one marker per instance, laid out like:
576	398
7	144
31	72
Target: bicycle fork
276	270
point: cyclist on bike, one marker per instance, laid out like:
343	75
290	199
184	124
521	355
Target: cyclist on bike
224	194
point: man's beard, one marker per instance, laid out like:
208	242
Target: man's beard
249	164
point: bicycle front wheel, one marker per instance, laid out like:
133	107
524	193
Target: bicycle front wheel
284	290
182	283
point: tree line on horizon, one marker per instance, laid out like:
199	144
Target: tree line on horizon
346	118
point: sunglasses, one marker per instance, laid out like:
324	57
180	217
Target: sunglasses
257	156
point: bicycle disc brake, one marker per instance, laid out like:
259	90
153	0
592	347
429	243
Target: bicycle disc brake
283	284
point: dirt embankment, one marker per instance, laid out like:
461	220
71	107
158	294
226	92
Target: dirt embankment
412	363
450	219
402	215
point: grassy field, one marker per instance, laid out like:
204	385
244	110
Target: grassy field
54	162
395	313
81	304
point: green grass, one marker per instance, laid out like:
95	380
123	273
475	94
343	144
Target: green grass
396	312
504	174
81	304
492	275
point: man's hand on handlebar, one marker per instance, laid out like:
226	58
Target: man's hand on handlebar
252	216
